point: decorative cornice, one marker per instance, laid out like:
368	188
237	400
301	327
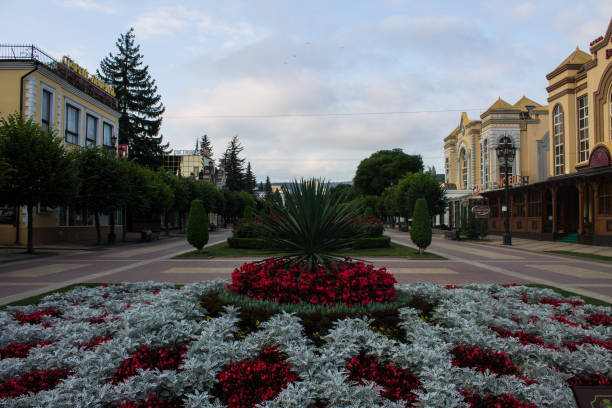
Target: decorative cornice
606	39
562	93
581	87
559	84
563	68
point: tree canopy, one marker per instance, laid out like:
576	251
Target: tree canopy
41	171
383	169
139	103
417	185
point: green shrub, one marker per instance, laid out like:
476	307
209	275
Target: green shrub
484	227
197	225
372	230
372	242
368	212
248	228
420	231
472	229
247	243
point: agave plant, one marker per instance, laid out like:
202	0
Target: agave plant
312	225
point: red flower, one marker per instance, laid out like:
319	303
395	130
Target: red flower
32	382
36	317
557	302
600	319
148	359
571	345
491	401
20	350
93	343
284	282
523	337
481	360
589	379
247	383
398	383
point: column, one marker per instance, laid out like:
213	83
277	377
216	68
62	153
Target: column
595	206
580	208
554	209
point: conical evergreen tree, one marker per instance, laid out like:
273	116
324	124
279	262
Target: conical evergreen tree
250	181
268	188
206	147
234	166
139	103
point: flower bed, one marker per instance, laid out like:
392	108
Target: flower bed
482	345
285	282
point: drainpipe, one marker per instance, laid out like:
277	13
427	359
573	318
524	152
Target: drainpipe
17	208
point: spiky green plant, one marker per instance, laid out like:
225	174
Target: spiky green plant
311	224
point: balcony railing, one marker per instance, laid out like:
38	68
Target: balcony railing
32	53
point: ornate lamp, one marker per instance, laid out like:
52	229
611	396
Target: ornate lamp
505	155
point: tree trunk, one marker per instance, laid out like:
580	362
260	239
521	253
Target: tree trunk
16	223
124	231
98	233
166	223
30	228
111	234
421	250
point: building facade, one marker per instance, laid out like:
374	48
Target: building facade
561	177
62	97
191	163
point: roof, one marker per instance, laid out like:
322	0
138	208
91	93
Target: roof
524	102
500	104
578	57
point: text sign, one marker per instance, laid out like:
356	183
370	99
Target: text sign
481	211
593	397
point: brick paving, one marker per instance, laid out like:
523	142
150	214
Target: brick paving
466	262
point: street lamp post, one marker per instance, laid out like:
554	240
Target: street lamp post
505	154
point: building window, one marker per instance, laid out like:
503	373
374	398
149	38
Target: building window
72	124
107	134
45	114
605	199
535	203
583	129
486	163
519	205
558	132
481	162
464	170
91	131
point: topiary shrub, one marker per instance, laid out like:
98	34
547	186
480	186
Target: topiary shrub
197	225
420	233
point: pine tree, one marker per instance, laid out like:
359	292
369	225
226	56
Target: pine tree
234	166
250	181
260	187
206	147
139	103
268	188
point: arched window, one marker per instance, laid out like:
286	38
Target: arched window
464	169
583	128
558	138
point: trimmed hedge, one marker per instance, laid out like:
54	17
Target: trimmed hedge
247	243
372	242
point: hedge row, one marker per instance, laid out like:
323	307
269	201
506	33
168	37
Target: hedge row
261	243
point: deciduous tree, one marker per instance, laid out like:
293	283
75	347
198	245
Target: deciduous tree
41	172
383	169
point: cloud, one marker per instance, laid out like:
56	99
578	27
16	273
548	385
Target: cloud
90	5
163	21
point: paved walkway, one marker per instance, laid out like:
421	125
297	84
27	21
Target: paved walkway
466	262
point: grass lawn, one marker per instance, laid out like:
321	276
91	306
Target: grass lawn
223	250
594	257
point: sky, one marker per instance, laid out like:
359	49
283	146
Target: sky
311	88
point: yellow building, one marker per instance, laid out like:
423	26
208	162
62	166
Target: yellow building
64	97
471	165
561	184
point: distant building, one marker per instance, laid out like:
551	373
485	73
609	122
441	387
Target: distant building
190	163
64	97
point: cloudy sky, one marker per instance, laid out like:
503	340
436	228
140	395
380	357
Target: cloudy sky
313	87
